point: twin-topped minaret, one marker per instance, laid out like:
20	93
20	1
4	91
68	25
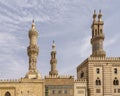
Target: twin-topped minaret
53	61
33	51
97	36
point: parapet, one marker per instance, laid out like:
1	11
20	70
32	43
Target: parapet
9	80
80	81
59	77
105	58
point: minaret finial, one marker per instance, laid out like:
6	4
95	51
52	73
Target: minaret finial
94	11
53	46
53	41
99	15
33	21
33	31
33	24
94	15
100	11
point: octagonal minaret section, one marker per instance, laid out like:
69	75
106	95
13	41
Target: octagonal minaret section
33	51
97	36
53	61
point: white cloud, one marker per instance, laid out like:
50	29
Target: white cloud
109	42
10	62
37	19
85	49
9	41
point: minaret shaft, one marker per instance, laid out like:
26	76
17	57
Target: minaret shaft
33	51
53	61
97	36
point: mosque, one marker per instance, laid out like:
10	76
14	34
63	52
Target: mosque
97	75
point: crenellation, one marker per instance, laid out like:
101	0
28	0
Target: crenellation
104	58
80	81
59	76
9	80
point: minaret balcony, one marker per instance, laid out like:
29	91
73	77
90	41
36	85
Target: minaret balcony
33	49
97	38
52	61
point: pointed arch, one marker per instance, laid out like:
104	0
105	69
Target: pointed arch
115	81
115	70
7	94
82	74
98	82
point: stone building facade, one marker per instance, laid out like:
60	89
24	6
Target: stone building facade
80	87
59	85
100	72
22	87
97	75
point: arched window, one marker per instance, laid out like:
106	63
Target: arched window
92	33
53	91
115	81
82	74
7	94
98	82
97	70
65	91
115	70
101	31
95	31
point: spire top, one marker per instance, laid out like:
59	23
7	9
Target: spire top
94	15
94	11
33	21
100	11
53	46
99	15
33	24
53	41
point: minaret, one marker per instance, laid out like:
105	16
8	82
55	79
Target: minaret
53	61
97	36
33	51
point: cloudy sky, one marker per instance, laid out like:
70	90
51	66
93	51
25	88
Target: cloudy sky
68	22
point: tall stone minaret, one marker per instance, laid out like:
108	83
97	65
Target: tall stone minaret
33	51
97	36
53	61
